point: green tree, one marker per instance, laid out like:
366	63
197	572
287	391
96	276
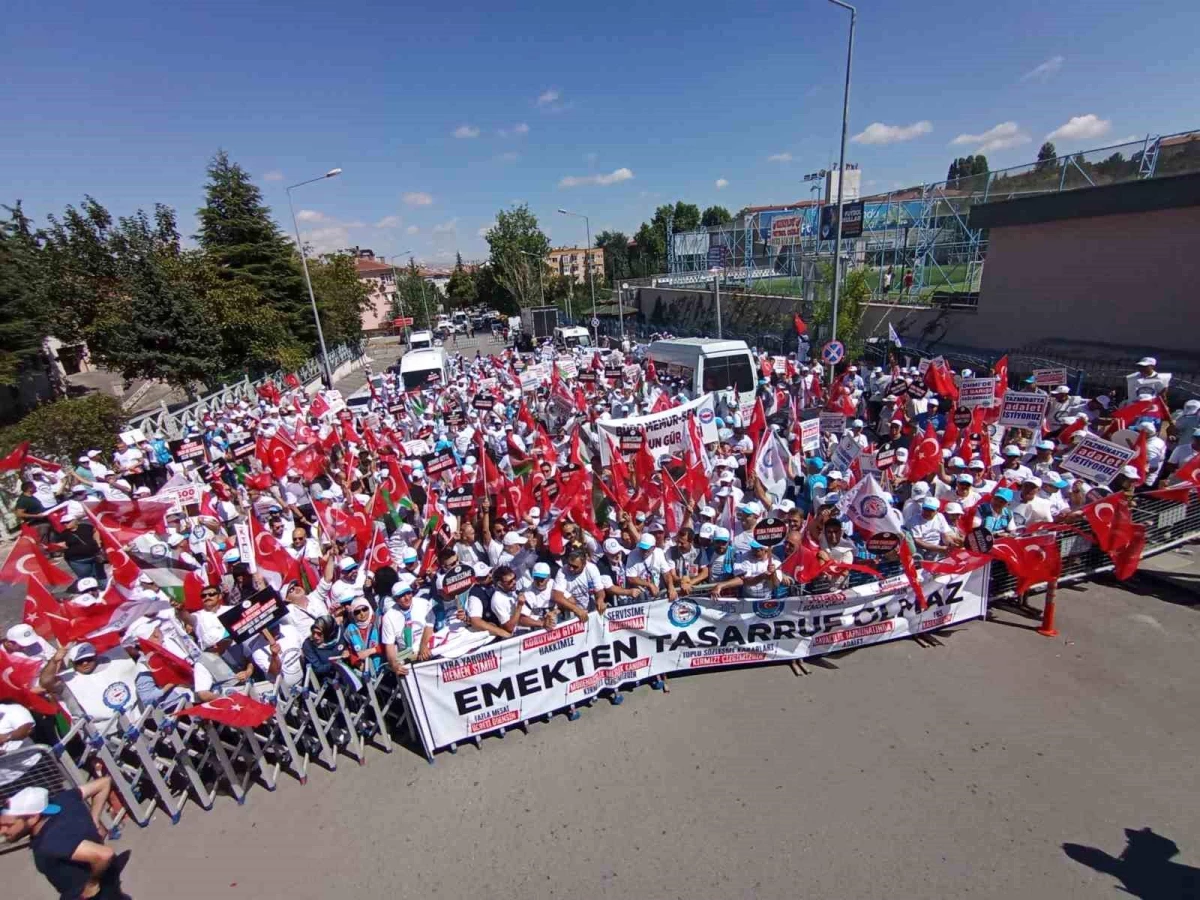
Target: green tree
518	246
412	297
460	290
853	296
489	292
237	232
66	428
616	254
649	255
715	215
341	297
23	319
1047	153
78	271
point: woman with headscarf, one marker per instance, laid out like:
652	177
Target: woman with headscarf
324	647
363	635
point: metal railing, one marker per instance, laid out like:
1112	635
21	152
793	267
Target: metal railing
172	423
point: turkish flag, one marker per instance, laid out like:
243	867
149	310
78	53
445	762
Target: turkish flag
960	562
27	561
259	481
1000	370
309	462
651	371
643	463
18	674
377	555
124	570
1111	522
1127	559
15	459
1064	436
662	403
798	324
276	564
165	667
238	710
1140	459
1126	415
1030	559
44	614
128	520
275	453
926	456
803	565
1183	480
757	426
939	379
318	407
290	381
910	572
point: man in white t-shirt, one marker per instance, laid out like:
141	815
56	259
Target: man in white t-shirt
578	587
1031	507
929	529
407	628
508	603
646	565
757	574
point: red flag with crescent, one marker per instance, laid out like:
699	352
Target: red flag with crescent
237	710
926	456
1030	559
17	677
165	667
27	561
1111	522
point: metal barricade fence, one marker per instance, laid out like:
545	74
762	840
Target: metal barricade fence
159	761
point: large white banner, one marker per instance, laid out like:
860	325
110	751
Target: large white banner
538	673
666	432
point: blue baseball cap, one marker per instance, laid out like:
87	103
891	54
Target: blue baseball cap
1004	494
646	542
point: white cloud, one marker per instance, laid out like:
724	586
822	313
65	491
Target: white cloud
614	177
274	175
999	137
389	222
779	157
326	240
547	97
1081	128
879	133
1043	71
446	227
310	215
482	232
411	229
722	183
466	131
418	198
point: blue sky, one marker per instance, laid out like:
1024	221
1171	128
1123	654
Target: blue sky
442	114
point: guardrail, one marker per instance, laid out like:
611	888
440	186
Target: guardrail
172	423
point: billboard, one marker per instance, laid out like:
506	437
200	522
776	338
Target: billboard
787	229
691	243
852	221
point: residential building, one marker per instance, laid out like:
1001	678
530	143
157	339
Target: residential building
572	262
380	278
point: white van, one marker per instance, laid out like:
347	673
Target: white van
707	365
420	340
423	368
572	336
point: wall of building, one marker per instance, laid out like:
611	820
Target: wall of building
1103	287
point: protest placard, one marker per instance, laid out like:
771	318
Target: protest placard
832	423
1097	460
260	610
1023	410
1049	377
810	435
975	392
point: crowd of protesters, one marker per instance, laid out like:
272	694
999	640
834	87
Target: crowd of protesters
431	521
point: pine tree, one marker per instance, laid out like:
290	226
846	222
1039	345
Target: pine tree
22	323
239	236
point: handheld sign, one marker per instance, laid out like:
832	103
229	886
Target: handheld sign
459	579
1049	377
980	540
917	390
461	498
962	417
977	392
882	543
770	532
437	463
184	449
260	610
484	402
242	448
810	435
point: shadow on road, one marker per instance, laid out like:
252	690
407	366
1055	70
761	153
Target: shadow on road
1144	868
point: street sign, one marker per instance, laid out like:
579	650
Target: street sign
595	322
832	353
402	321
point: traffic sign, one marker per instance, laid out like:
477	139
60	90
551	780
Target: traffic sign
832	353
595	322
402	321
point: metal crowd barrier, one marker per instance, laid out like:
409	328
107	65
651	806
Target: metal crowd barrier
162	762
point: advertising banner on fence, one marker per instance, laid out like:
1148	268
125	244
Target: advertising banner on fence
977	392
666	432
1049	377
535	674
1097	460
1023	410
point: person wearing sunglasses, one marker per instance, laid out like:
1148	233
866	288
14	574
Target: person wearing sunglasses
508	601
362	633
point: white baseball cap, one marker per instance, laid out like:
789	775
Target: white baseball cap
86	584
31	801
1147	361
513	538
22	635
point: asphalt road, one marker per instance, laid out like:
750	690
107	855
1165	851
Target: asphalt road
899	771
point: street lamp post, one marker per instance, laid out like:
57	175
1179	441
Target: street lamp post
587	252
716	274
621	304
396	282
837	246
541	265
304	263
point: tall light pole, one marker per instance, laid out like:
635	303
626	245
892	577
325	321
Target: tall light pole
591	274
396	282
621	302
424	302
304	262
716	274
541	265
837	246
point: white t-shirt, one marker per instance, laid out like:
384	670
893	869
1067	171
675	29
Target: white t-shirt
931	531
406	628
503	607
106	690
1036	510
580	588
12	717
648	565
537	603
749	568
